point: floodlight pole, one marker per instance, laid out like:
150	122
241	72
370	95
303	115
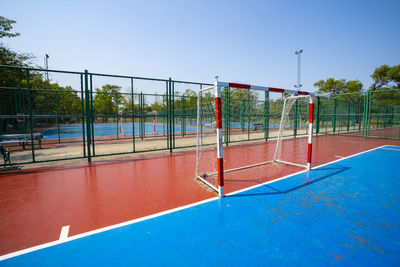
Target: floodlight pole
298	53
46	66
298	87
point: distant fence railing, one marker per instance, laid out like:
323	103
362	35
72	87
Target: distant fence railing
85	115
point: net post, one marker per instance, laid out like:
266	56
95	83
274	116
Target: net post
220	158
310	133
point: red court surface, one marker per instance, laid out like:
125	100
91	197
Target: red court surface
36	203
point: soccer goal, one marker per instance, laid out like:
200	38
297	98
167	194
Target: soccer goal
289	130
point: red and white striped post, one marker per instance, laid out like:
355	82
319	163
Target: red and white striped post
310	133
220	157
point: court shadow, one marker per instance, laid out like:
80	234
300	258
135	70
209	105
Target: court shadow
97	163
294	182
10	168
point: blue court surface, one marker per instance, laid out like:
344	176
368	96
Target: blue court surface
343	213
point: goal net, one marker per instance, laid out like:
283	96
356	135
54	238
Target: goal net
232	112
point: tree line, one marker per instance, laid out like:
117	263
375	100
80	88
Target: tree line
48	97
383	91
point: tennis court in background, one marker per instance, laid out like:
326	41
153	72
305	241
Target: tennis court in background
343	212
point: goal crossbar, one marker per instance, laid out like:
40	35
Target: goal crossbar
261	88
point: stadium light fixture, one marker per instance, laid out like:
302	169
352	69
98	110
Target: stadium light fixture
46	65
298	53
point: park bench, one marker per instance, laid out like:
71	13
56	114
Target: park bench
258	126
21	139
5	152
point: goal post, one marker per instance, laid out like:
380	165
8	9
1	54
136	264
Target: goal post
285	122
297	113
209	120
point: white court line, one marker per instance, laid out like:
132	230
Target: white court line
393	149
53	243
287	176
64	232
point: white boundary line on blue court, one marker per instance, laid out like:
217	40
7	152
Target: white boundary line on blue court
303	171
393	149
68	239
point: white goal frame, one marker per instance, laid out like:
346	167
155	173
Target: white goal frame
218	123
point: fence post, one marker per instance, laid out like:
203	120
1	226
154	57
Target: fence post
384	116
118	117
133	117
317	119
183	116
249	115
167	110
339	128
88	117
334	115
141	120
266	115
170	113
365	114
19	100
367	105
228	111
369	112
377	115
173	114
30	114
16	100
360	116
398	117
348	115
242	108
92	114
83	117
58	117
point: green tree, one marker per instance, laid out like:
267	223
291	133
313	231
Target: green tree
157	105
7	56
9	77
6	27
337	87
386	77
190	98
386	87
50	98
107	100
340	89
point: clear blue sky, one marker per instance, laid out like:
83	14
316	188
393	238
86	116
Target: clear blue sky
241	41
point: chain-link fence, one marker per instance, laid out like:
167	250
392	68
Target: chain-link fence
372	114
40	111
48	115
